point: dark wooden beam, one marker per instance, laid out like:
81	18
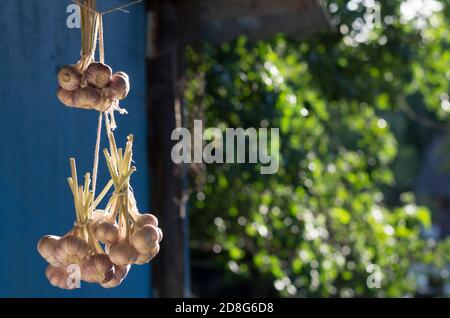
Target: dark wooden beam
228	9
165	105
224	20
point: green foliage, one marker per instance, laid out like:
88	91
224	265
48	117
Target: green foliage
316	227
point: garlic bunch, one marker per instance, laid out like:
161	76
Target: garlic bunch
96	87
103	244
139	235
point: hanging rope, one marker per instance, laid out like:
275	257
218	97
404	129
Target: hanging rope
120	8
101	47
99	27
96	153
92	35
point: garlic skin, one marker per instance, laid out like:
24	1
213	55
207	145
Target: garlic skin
146	218
98	75
99	216
58	276
120	272
105	103
147	257
46	246
97	269
65	97
122	253
86	97
123	74
69	78
160	233
107	233
71	250
145	238
119	87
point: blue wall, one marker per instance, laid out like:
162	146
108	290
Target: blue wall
38	135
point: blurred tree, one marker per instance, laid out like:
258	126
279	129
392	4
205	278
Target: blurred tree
343	103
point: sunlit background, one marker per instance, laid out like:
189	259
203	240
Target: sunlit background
360	206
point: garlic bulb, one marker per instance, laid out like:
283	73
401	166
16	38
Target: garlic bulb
98	75
71	250
69	78
46	246
119	87
120	272
97	269
107	233
58	277
145	238
147	257
122	253
86	97
147	218
65	97
105	103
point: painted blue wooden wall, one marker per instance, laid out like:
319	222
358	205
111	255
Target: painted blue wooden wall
38	135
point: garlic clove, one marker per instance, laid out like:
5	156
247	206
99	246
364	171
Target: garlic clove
120	272
147	257
65	97
86	97
97	269
123	74
71	250
46	246
145	238
58	277
106	232
160	235
147	218
122	253
98	75
99	216
119	87
105	103
69	78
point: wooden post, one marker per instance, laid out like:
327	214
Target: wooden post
166	70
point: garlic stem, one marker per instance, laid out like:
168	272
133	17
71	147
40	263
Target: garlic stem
125	178
73	168
127	218
115	210
113	148
120	154
102	194
88	207
87	182
96	245
108	208
126	160
110	165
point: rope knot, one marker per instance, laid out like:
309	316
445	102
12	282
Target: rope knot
121	193
82	224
